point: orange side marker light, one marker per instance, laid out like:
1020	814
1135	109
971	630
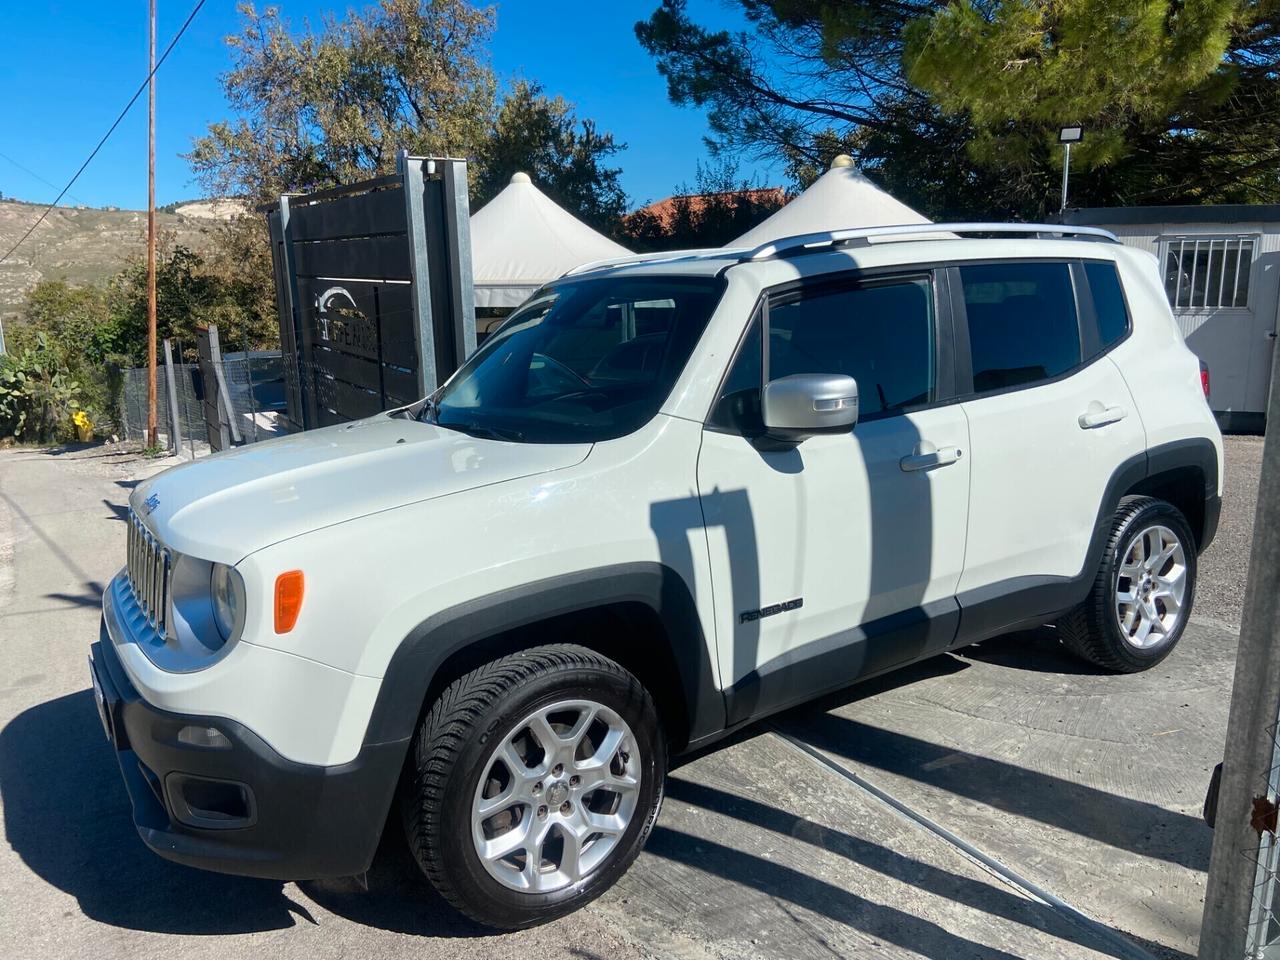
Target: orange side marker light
289	588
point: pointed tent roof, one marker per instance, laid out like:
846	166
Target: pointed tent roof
841	197
521	239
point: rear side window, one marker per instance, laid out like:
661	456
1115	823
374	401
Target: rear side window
1108	302
1022	323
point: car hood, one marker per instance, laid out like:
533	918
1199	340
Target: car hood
228	505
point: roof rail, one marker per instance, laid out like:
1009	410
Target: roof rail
925	231
660	256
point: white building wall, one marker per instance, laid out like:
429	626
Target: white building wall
1236	343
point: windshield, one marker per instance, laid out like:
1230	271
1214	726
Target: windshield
580	362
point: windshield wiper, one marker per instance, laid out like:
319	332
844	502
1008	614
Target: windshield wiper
430	411
484	431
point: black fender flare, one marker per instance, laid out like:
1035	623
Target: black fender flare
420	655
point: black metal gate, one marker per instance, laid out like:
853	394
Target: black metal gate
373	288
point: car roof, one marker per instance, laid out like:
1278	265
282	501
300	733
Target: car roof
811	254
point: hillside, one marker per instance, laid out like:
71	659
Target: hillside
88	245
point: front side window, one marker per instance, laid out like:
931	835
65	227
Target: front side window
880	333
1022	323
580	362
1208	273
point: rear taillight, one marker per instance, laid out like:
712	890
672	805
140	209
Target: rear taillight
1204	378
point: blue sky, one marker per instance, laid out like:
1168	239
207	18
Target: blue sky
70	65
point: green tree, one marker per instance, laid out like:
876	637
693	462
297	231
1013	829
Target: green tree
75	319
955	106
231	291
331	106
565	156
37	397
66	333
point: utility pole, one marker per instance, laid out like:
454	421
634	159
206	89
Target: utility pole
1241	892
151	235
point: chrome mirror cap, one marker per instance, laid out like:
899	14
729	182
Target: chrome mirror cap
807	404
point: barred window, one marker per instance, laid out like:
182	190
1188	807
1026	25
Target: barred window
1208	272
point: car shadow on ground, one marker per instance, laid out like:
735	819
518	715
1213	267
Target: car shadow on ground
67	815
1089	812
1037	651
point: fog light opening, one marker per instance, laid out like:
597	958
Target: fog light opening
211	804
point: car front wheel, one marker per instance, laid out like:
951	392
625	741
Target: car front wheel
533	784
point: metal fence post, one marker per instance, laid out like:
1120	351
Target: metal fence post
302	348
224	395
410	170
457	220
175	439
1239	877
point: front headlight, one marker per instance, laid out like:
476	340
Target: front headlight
225	591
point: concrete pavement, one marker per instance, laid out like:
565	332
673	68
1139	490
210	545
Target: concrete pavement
1087	785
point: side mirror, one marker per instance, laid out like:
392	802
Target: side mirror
807	404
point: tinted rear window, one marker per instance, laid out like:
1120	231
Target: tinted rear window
1022	323
1108	302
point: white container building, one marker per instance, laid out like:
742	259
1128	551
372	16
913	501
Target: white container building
1221	270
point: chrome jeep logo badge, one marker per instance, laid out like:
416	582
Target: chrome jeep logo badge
151	503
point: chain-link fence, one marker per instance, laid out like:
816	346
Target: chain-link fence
1263	942
250	401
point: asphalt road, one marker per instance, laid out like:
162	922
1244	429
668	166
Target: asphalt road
1224	566
1088	786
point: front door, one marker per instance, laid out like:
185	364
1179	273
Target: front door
840	557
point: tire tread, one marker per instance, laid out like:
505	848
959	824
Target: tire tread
1084	630
451	723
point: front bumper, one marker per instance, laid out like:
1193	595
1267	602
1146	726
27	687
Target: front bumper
241	808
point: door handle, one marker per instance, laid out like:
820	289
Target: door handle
1099	416
928	459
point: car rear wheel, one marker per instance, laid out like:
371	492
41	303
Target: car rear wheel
533	784
1138	606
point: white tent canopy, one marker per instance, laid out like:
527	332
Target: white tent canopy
842	197
521	239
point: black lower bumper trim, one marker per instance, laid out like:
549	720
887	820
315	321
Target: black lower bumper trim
307	821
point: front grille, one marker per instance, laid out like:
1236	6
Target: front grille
148	570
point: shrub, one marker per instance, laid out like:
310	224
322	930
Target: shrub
37	399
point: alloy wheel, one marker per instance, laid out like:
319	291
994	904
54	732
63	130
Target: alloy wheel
556	796
1151	586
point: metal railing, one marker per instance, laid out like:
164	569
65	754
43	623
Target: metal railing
813	242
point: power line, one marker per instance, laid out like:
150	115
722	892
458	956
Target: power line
132	100
31	173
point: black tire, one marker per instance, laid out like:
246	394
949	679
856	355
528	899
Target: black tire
1092	630
453	749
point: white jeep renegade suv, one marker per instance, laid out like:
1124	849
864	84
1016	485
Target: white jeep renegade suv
667	497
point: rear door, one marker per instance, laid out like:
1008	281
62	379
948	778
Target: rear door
1050	420
838	557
